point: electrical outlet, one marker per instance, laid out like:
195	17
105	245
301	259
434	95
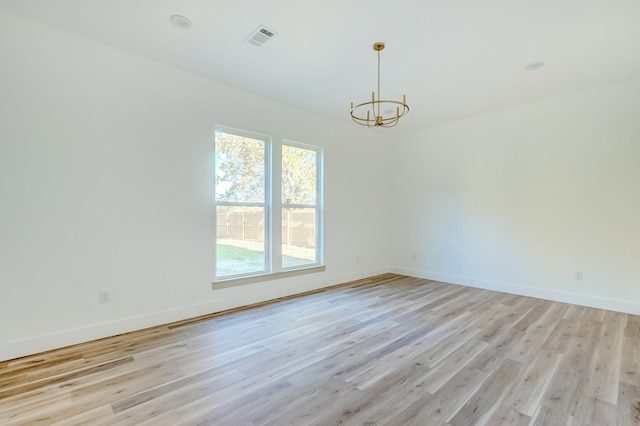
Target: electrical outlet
104	297
579	276
357	258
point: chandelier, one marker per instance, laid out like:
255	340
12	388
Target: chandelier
379	113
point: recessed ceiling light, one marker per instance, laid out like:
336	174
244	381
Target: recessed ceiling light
534	66
180	21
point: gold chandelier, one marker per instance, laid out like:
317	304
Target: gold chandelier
379	113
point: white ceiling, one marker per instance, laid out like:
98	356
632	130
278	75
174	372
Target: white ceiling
453	59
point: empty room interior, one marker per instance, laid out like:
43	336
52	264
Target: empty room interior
318	213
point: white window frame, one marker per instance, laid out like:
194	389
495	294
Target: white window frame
273	213
317	205
266	204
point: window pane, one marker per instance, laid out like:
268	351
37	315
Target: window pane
239	240
298	237
298	175
239	168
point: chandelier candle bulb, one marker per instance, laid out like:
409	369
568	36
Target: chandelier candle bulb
382	110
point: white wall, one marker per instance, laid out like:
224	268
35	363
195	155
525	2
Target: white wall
522	199
106	184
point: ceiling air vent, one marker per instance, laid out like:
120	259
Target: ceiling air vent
259	36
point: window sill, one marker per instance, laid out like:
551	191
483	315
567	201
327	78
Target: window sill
233	282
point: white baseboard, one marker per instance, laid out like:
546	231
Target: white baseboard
537	292
36	344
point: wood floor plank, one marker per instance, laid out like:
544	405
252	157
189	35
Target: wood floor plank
538	310
101	413
604	370
632	329
446	401
488	397
530	386
534	336
93	396
24	389
447	345
630	361
501	320
507	416
546	416
40	403
381	403
222	375
311	400
236	409
593	411
446	369
423	350
378	403
26	365
13	381
383	350
628	406
154	402
560	338
568	386
575	312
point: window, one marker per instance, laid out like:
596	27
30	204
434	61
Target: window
258	233
241	187
300	206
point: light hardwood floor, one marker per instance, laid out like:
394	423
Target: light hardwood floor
389	350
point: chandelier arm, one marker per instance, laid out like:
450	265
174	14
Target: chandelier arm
373	107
